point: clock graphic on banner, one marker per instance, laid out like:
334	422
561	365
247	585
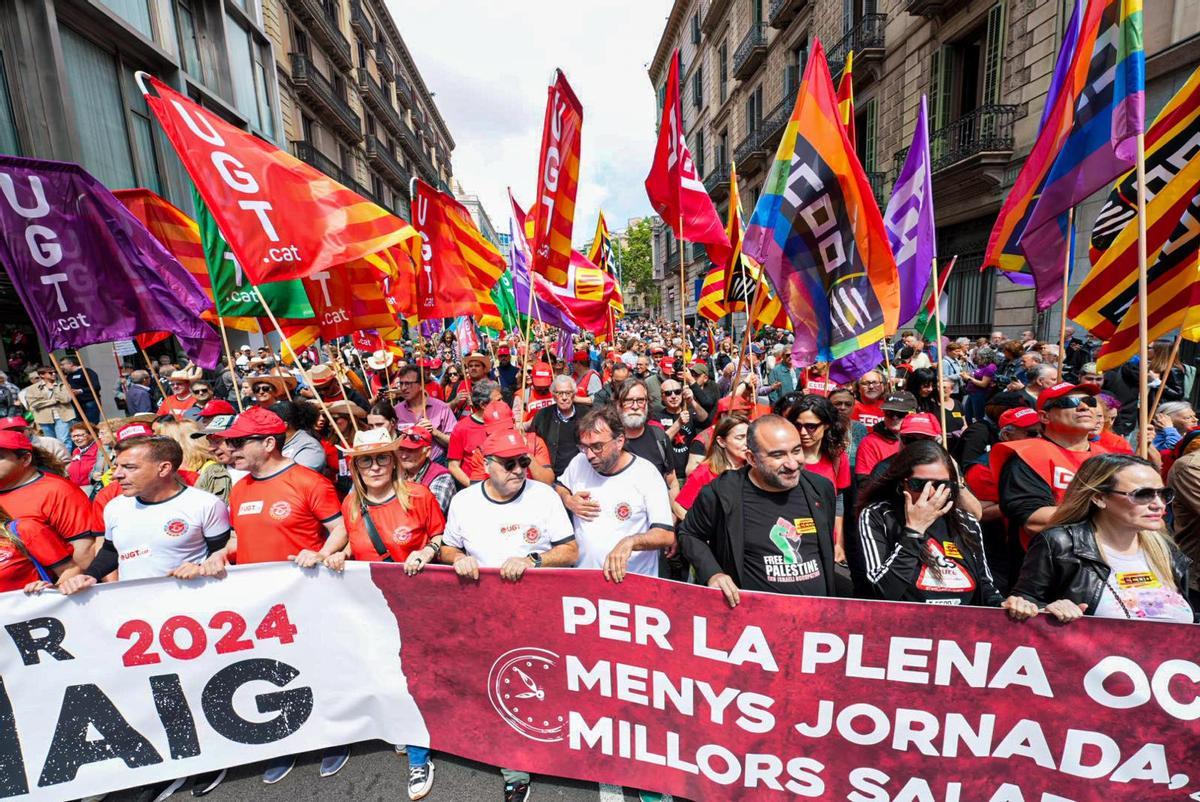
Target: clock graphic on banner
524	688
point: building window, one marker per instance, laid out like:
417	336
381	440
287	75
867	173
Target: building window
187	29
698	154
698	87
723	71
865	122
754	110
135	12
797	59
362	55
696	28
8	125
662	97
93	79
756	12
247	68
722	151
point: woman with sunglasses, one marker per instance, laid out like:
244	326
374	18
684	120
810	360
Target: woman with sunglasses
456	390
823	438
389	519
917	544
1106	551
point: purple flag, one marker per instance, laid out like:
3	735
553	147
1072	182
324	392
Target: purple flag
431	327
86	270
909	222
543	310
565	347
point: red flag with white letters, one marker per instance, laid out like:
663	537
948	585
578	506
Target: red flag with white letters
558	181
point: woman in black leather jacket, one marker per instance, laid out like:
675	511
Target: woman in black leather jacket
1106	552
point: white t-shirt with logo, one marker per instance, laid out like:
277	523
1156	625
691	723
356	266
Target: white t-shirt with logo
631	501
532	521
154	539
1135	591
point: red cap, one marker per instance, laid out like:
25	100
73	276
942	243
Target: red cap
254	422
505	443
503	350
414	437
13	423
132	430
15	441
1061	389
921	423
217	407
497	415
1021	417
666	365
582	355
543	375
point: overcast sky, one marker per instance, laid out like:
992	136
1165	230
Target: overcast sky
490	63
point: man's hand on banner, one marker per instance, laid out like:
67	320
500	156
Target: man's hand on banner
75	584
214	566
307	558
725	583
617	562
336	561
1019	608
512	569
37	586
468	567
185	571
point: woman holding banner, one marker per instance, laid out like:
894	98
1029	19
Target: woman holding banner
1106	552
391	520
917	544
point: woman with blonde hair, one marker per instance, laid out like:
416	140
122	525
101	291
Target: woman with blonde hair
726	452
198	458
1106	552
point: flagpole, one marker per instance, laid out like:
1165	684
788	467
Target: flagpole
1066	289
1143	327
937	331
232	369
1158	394
737	372
92	387
682	283
75	401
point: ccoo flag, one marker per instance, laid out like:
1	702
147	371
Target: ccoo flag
909	220
282	218
86	270
818	234
1094	127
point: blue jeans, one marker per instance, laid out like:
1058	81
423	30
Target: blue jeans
418	755
973	404
60	430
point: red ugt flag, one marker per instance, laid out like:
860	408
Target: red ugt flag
675	189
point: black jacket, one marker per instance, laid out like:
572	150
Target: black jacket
893	559
712	535
1064	562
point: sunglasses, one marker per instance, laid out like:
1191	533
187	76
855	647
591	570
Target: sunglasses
811	428
918	485
510	463
201	391
378	460
239	442
1143	496
262	388
1071	402
672	392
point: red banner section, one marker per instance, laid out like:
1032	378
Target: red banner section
645	684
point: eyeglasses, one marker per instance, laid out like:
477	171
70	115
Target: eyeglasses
871	383
595	448
918	485
1144	495
634	402
510	463
811	428
367	460
455	375
1091	378
672	392
239	442
403	383
1070	402
201	391
262	388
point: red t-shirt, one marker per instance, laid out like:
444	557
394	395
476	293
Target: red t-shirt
475	467
402	531
696	481
873	450
1114	442
83	462
281	514
467	436
42	542
176	406
866	413
982	482
840	476
55	502
819	386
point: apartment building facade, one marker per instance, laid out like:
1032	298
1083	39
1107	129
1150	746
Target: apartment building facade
984	65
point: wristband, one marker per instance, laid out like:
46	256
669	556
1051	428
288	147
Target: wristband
913	533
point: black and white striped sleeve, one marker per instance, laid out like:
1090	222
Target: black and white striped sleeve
892	558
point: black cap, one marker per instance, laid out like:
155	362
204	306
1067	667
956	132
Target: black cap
1009	400
899	401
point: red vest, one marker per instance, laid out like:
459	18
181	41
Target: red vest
583	381
1056	465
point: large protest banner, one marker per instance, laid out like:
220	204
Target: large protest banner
649	684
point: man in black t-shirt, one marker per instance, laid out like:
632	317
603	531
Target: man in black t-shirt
766	527
647	441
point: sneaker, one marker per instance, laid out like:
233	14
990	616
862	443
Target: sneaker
333	760
157	792
278	768
205	783
516	792
650	796
420	780
401	749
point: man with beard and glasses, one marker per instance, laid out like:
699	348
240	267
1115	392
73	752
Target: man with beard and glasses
868	410
765	527
648	441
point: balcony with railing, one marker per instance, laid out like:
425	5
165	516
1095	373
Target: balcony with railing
751	52
379	99
383	60
777	119
412	146
307	152
381	157
750	152
403	92
931	9
879	187
867	41
717	180
321	19
782	12
317	90
713	13
361	23
979	140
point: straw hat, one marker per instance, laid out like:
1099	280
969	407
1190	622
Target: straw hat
347	408
380	360
321	374
370	441
280	382
192	373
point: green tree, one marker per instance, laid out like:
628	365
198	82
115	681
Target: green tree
637	262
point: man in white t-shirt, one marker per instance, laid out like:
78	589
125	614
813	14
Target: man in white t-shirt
621	506
510	523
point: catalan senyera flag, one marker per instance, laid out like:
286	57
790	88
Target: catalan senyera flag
282	218
446	280
346	298
601	255
483	259
711	302
1095	126
845	97
1107	301
558	180
818	233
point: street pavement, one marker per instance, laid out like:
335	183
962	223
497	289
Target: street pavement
376	773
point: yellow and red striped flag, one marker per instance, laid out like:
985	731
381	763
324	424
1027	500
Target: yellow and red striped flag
601	255
346	298
711	303
484	262
845	97
558	180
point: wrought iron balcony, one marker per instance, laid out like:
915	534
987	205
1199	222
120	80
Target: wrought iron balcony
713	13
751	52
383	60
412	145
380	156
776	121
879	187
321	19
867	41
983	138
783	12
932	8
320	93
307	152
360	22
717	180
750	151
379	99
403	92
